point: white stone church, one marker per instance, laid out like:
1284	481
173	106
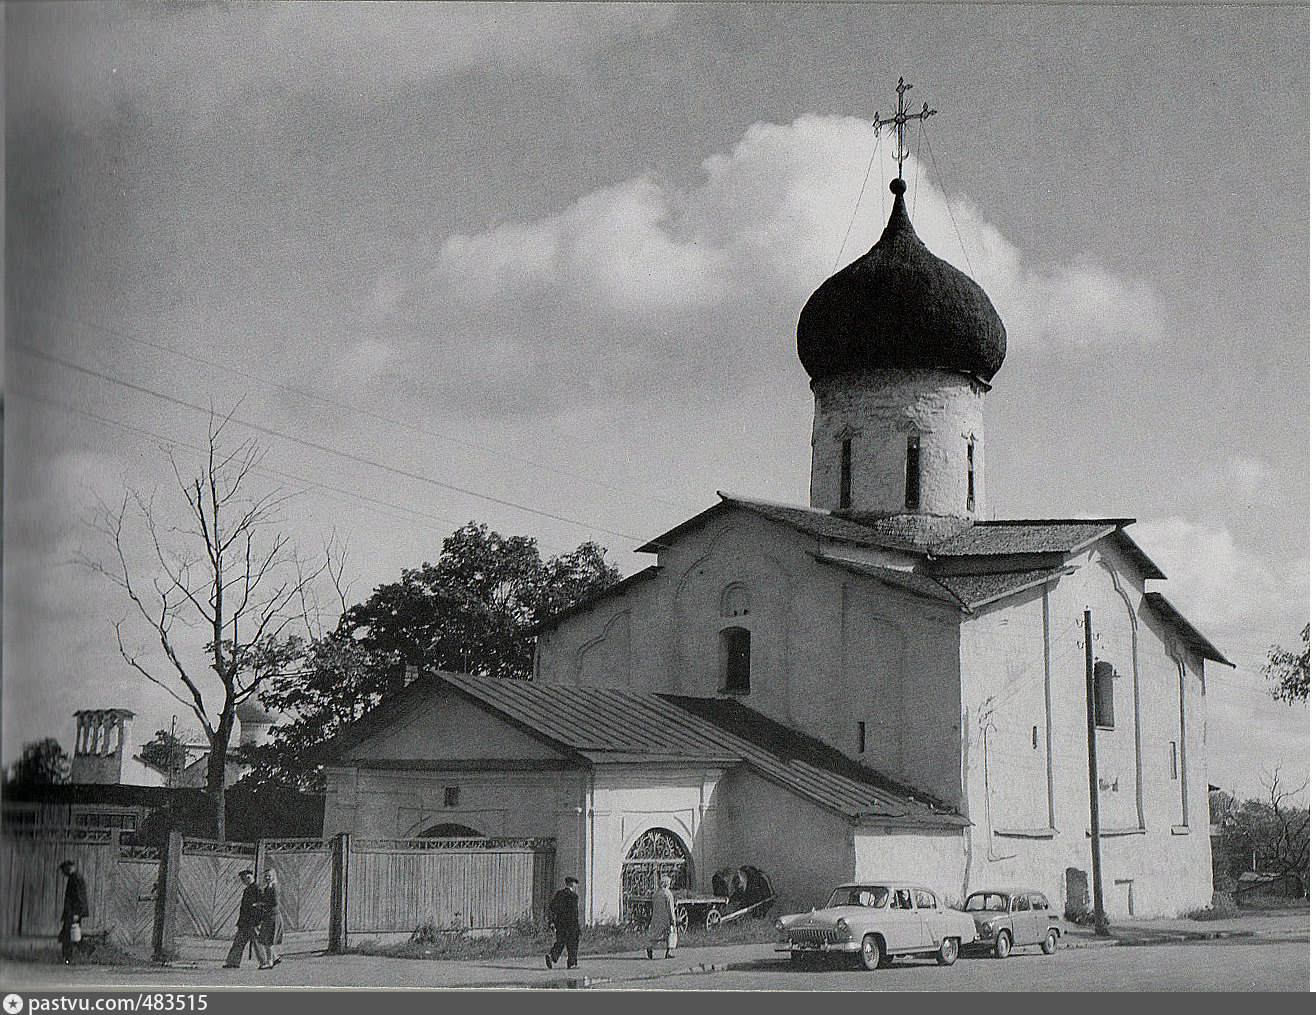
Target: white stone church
883	684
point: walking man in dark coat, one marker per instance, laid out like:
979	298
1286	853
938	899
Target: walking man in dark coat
75	909
250	913
564	912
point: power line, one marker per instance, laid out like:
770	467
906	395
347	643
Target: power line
183	445
945	194
380	417
324	448
859	200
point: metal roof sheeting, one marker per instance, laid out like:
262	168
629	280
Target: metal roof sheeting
612	726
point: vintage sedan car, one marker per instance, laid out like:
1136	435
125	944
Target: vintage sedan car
1009	918
874	920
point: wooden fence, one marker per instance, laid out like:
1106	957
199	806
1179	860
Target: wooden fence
183	900
394	886
121	883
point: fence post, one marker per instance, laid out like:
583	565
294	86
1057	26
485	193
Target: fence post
164	936
259	859
338	893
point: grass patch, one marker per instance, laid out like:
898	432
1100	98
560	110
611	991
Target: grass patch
1222	907
528	939
91	951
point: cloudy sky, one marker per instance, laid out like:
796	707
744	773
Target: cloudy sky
541	266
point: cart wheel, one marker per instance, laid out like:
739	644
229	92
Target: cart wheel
683	917
713	918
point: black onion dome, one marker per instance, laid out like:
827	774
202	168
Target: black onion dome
900	306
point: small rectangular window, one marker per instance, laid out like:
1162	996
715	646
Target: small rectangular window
1103	690
843	502
911	471
1034	738
450	795
1174	760
969	500
863	737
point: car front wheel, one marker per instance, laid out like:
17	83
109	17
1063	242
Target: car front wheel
1049	942
1001	947
870	952
948	952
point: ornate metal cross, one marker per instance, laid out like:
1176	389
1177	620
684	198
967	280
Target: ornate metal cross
898	121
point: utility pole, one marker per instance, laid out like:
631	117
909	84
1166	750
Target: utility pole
1102	925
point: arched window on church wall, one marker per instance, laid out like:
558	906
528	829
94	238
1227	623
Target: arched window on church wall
735	660
912	470
1103	693
970	499
843	500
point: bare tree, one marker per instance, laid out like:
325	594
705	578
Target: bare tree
227	572
1286	846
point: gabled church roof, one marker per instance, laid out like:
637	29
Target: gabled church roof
962	538
614	726
810	521
1195	640
969	592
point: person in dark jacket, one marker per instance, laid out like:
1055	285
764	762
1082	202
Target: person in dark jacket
249	921
564	912
75	910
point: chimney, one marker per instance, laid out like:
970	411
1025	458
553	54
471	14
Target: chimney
101	743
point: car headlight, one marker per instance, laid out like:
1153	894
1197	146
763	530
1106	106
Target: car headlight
779	927
842	928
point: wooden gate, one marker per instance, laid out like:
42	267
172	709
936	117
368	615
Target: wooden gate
130	897
305	870
209	893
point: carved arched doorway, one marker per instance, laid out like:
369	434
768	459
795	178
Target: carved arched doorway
655	853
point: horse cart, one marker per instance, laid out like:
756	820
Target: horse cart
737	892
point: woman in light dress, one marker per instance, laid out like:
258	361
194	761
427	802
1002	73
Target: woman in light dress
271	926
662	922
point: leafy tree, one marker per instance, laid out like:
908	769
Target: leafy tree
339	682
1290	671
218	564
43	763
467	612
167	754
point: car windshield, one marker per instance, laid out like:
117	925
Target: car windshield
858	895
985	902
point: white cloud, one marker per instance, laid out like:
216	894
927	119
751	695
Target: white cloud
667	287
1223	588
1071	305
1248	477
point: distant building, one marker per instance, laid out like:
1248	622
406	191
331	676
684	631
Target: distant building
103	752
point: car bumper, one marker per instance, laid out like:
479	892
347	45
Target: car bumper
809	946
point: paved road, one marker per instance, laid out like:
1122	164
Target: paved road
1249	964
